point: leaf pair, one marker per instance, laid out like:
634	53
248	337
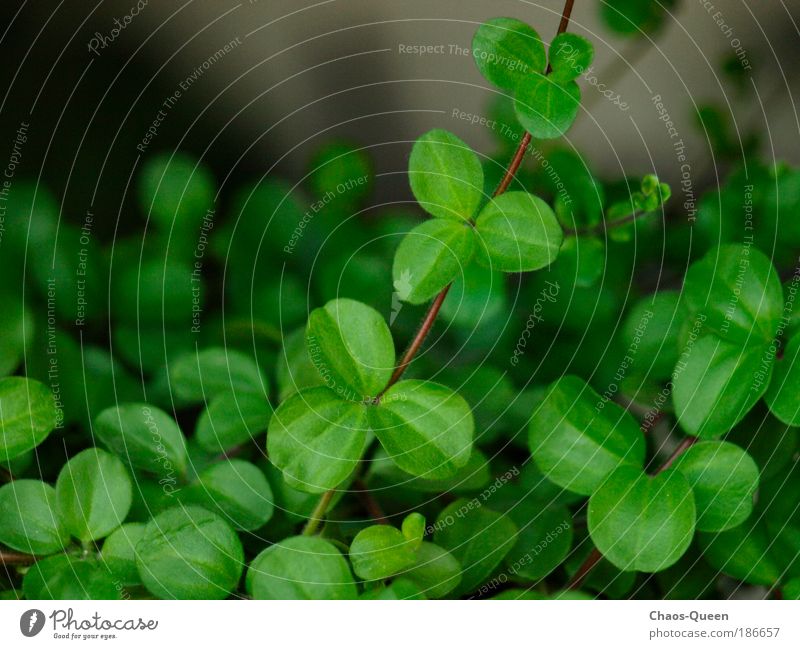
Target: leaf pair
514	232
318	435
91	498
510	54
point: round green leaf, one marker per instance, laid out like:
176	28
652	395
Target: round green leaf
477	536
351	346
426	428
413	528
28	519
445	175
175	190
783	394
189	553
300	567
236	490
520	232
724	480
436	572
542	544
232	419
577	438
93	494
341	170
200	376
738	291
295	371
640	522
66	577
431	256
27	415
570	56
119	553
380	551
506	51
144	436
635	17
716	383
316	439
546	108
743	552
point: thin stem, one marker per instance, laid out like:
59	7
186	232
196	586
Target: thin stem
317	515
685	444
594	557
372	506
603	225
585	568
16	558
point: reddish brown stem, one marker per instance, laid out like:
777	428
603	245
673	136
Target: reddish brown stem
370	504
16	558
585	568
514	165
683	446
413	348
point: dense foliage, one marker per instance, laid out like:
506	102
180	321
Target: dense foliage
602	399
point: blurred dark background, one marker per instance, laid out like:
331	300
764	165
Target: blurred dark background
294	73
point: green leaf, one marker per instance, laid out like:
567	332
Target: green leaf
635	17
436	572
546	108
381	551
200	376
16	327
520	232
413	528
145	437
28	519
175	191
237	491
431	256
189	553
119	553
478	295
640	522
543	542
724	480
783	394
791	589
743	552
65	577
446	176
300	567
93	494
27	415
716	383
652	329
580	262
570	56
232	419
426	428
577	438
316	439
506	51
399	589
738	291
477	536
341	172
351	346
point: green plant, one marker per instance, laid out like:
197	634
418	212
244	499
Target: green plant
567	443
